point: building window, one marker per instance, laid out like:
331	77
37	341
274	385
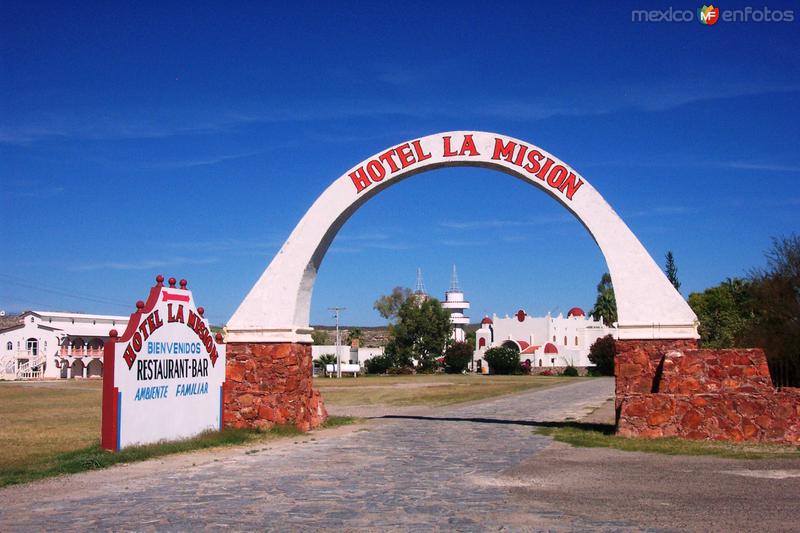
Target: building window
9	345
32	346
565	340
552	360
481	342
31	320
554	338
576	341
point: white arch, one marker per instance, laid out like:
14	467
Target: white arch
277	308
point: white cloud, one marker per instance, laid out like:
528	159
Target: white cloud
143	264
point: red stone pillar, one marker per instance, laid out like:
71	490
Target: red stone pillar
271	383
638	362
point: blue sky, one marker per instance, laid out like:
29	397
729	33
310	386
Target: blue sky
189	139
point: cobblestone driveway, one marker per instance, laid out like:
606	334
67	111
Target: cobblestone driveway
442	470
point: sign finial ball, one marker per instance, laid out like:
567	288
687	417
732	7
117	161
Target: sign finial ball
171	282
159	279
140	305
200	311
183	284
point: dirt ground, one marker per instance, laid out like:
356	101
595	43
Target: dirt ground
664	492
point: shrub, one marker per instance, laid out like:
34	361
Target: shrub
378	364
457	357
547	372
570	371
502	360
602	353
401	370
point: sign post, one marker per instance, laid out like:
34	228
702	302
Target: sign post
164	375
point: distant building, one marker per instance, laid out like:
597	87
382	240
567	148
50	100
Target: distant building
455	303
353	354
546	341
48	344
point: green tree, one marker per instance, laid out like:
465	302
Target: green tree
602	353
723	312
421	332
398	357
389	305
775	308
760	311
502	360
470	339
606	303
672	271
319	337
325	360
457	357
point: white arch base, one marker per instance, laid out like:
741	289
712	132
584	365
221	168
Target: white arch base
277	308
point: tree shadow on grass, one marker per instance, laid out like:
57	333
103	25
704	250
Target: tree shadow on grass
606	429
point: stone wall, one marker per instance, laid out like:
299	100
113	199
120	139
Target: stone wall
666	388
268	384
638	361
732	416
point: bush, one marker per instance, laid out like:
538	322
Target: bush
602	353
401	371
502	360
570	371
457	357
378	364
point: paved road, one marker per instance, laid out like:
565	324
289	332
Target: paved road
409	473
473	467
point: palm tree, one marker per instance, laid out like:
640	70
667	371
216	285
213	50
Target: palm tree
354	334
606	304
325	360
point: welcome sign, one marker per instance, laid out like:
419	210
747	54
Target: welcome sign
163	377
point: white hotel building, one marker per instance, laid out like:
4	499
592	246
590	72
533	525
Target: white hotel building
546	341
47	344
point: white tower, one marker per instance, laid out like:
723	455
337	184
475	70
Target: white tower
454	301
419	292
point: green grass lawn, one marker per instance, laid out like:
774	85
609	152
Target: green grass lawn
602	436
430	390
52	428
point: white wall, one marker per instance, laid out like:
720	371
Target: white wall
347	354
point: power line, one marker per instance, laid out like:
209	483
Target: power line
61	292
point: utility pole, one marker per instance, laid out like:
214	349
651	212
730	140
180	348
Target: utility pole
336	311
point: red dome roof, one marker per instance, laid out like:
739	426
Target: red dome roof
550	348
487	320
576	311
523	345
